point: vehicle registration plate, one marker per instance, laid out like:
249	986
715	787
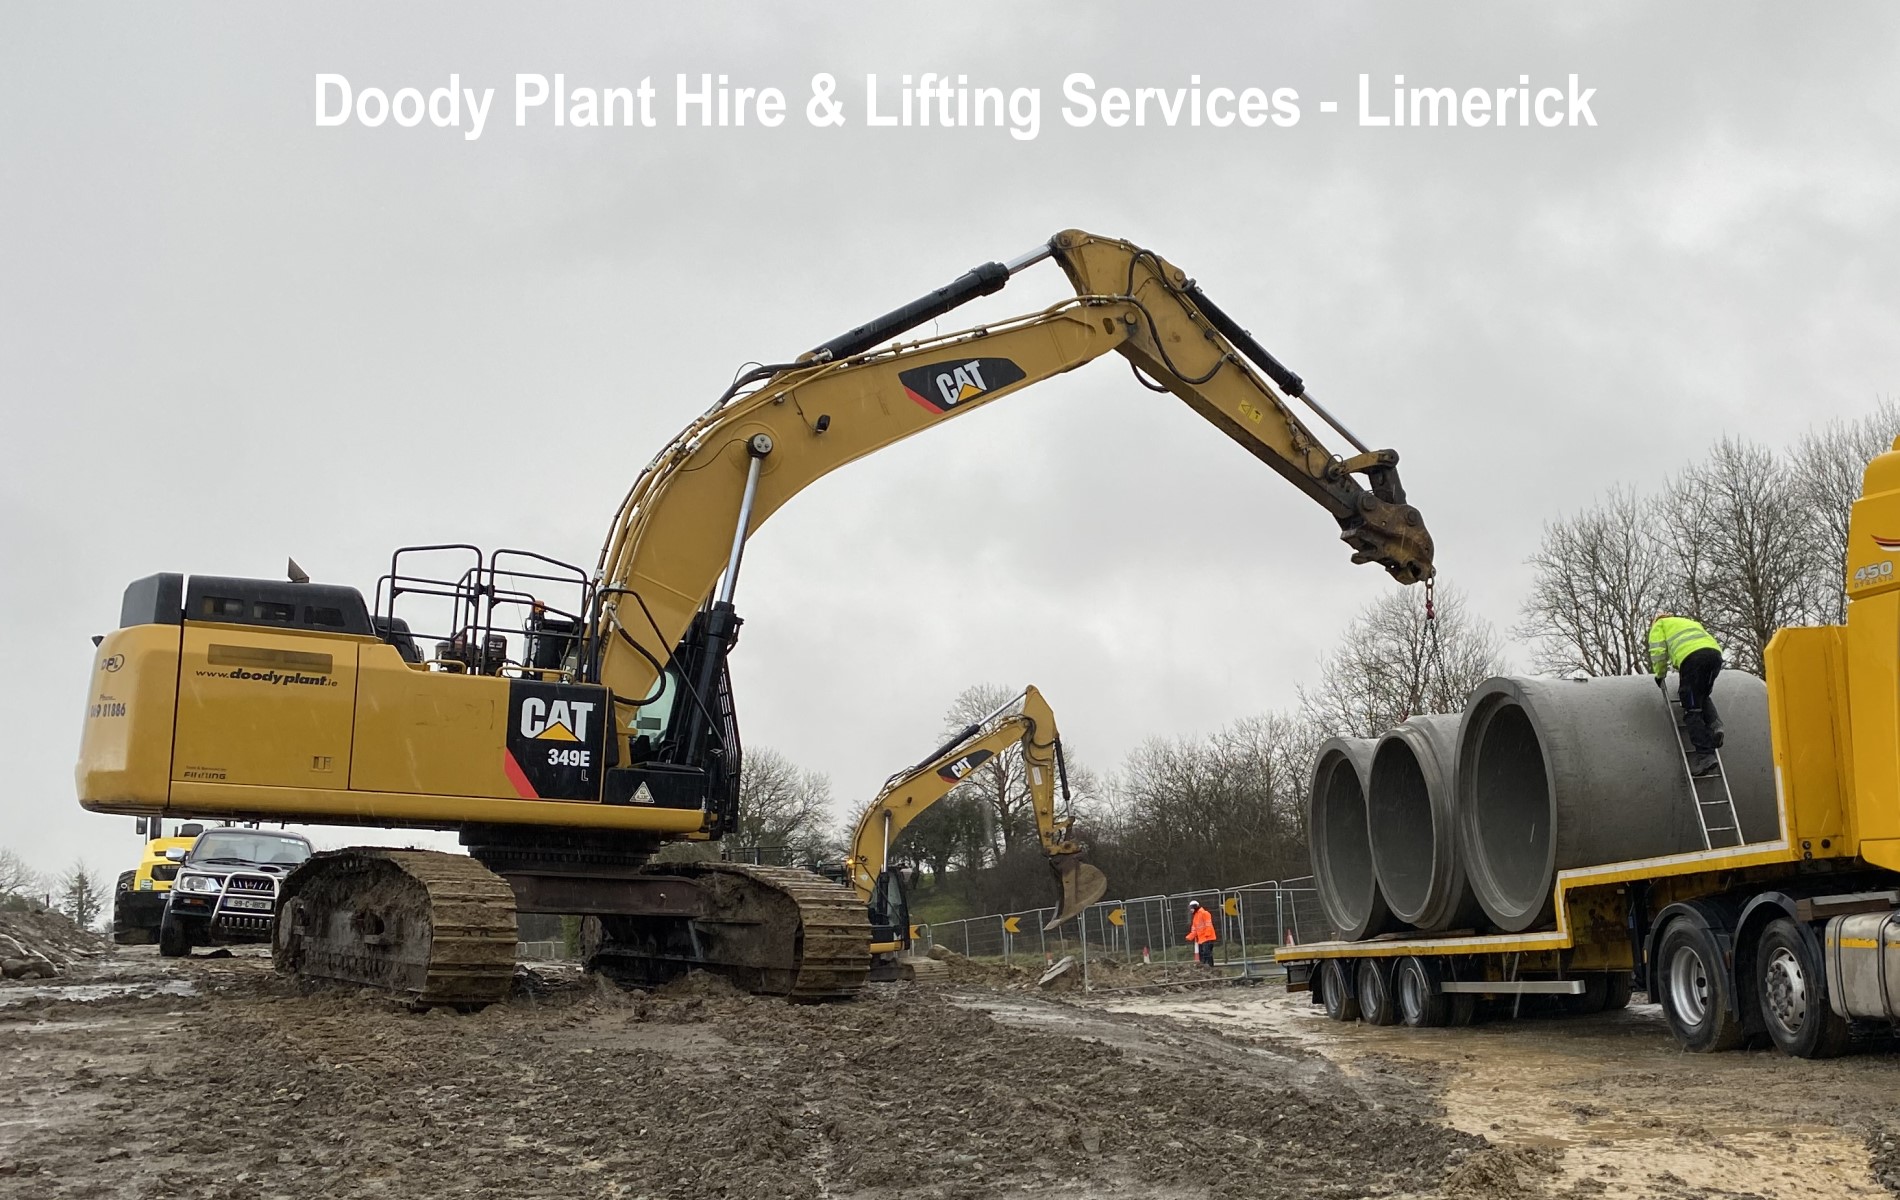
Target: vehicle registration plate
248	903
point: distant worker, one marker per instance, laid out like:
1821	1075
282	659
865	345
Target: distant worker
1201	933
1685	645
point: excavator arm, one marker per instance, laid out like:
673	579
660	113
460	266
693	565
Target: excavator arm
1024	721
682	528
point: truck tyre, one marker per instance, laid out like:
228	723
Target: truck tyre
1695	989
1374	991
1464	1010
173	941
1421	1004
1791	987
1594	998
1336	993
1616	996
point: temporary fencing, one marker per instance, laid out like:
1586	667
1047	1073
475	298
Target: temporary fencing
1251	921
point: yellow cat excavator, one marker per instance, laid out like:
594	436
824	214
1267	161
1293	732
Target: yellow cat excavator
1024	721
568	722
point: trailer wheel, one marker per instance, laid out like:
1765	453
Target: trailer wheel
1791	986
1464	1010
1695	989
1421	1004
1594	998
1376	1005
1341	1004
1616	996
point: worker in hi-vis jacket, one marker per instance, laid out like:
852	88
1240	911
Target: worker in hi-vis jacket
1201	933
1697	657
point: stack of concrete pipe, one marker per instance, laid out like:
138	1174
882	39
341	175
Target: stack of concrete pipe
1455	822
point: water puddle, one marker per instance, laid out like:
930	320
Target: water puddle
85	993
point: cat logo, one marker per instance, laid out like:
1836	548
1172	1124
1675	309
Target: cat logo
555	720
956	771
940	387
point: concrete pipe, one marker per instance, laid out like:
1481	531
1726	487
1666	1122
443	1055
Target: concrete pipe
1559	773
1412	808
1336	832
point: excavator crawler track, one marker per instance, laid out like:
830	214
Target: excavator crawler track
428	928
775	931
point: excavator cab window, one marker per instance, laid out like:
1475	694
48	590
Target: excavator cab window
654	721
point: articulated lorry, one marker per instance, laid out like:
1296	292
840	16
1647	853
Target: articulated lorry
1788	932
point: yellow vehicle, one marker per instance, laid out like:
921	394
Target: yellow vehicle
138	902
1024	721
567	722
1791	939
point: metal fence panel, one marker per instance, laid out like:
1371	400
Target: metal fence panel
1251	922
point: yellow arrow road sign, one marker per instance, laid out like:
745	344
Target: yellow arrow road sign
1117	916
1231	906
1012	925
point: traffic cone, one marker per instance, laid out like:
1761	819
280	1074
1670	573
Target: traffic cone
1144	957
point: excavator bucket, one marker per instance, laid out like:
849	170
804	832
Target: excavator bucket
1082	885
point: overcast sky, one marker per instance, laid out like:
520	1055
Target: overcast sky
228	335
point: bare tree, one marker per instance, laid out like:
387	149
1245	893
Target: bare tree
1001	783
782	805
1600	577
1742	541
16	878
81	895
1387	667
1212	811
1828	464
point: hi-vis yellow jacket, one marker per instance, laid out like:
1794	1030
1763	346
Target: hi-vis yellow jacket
1672	639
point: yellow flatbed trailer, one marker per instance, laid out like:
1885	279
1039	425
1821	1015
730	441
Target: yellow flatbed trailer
1792	940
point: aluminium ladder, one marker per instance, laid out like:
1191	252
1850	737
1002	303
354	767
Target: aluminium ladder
1709	794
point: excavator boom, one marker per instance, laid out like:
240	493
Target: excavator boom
681	524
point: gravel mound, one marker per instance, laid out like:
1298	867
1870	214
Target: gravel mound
40	943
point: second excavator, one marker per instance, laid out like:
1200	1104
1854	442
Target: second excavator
1023	721
568	722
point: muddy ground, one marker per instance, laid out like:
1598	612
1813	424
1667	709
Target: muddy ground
1607	1105
213	1078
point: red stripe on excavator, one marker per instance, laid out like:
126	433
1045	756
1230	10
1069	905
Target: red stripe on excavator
517	777
936	408
1887	543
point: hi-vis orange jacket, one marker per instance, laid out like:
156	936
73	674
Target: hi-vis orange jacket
1202	928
